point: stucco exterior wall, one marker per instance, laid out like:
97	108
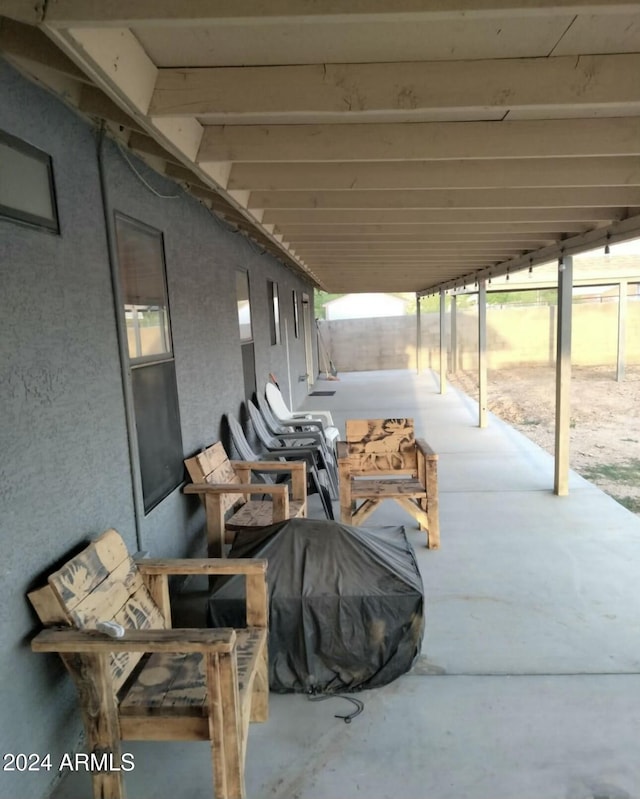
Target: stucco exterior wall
65	471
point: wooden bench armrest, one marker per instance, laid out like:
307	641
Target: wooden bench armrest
425	449
183	566
235	488
254	569
179	641
270	466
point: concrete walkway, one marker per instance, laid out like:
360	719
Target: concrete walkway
528	686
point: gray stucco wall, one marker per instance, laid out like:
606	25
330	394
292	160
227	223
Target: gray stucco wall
65	471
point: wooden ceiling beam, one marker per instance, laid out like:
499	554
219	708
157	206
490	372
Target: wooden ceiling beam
403	248
452	237
551	230
406	89
550	138
621	196
453	216
69	13
559	173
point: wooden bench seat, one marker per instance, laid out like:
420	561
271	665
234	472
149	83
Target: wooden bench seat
386	489
154	682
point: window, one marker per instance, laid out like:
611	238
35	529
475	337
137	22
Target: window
153	377
244	306
27	193
296	324
274	312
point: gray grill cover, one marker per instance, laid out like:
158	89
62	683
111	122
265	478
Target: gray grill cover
346	603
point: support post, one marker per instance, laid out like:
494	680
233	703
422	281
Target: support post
453	361
482	353
443	343
622	329
563	376
418	336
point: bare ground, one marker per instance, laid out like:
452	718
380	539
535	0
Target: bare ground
605	419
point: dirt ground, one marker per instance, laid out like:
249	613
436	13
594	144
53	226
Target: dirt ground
605	419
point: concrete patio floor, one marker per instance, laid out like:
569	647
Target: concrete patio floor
528	686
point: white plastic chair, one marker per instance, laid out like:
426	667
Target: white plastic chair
282	412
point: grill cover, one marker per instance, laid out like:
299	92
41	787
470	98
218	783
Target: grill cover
346	603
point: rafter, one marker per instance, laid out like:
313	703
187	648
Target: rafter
550	138
413	249
450	236
453	216
409	90
472	174
292	232
448	198
69	13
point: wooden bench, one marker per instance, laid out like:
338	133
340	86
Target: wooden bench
381	459
155	683
225	487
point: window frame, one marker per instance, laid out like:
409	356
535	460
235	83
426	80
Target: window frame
156	492
144	360
244	272
296	312
51	225
274	312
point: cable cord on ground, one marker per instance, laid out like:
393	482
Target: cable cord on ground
359	705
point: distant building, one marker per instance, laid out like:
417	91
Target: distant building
365	306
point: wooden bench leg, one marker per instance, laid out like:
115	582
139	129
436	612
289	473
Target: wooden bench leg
92	676
346	504
216	730
215	525
433	512
225	725
260	694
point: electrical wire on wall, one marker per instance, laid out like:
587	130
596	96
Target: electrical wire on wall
141	178
257	248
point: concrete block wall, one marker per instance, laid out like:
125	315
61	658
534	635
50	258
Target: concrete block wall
516	336
65	471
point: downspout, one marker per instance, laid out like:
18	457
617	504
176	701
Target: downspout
122	340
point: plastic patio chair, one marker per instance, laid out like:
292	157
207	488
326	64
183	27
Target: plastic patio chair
274	443
280	409
246	452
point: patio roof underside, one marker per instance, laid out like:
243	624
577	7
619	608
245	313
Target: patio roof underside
377	145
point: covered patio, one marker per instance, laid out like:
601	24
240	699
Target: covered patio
200	169
528	684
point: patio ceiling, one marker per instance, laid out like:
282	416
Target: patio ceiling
378	145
